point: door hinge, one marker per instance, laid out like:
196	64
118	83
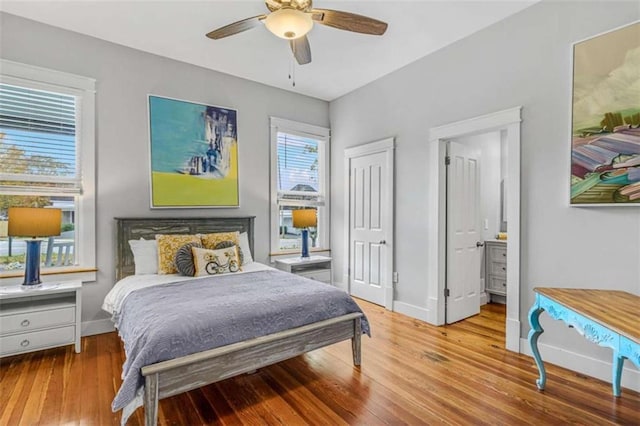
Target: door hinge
447	160
447	293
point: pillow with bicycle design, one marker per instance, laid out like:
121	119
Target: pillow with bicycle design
215	262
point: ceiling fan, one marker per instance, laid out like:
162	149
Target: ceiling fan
293	19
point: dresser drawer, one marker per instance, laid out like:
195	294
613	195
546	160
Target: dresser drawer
323	275
497	285
26	342
27	321
498	268
498	254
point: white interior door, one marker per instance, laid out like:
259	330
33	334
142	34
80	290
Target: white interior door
464	235
370	205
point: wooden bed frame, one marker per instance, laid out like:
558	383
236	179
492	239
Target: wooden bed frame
172	377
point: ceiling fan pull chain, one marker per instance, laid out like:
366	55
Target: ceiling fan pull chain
292	72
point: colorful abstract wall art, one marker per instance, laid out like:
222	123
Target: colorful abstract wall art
605	150
194	154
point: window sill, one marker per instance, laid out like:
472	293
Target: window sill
51	275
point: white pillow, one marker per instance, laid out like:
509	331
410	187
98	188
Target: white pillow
145	256
244	247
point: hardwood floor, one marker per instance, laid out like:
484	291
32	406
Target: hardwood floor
412	373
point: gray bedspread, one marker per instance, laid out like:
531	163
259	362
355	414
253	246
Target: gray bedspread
172	320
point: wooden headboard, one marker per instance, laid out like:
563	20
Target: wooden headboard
147	228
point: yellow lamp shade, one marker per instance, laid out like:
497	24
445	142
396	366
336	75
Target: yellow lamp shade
34	222
304	218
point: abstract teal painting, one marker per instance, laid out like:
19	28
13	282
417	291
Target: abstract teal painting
194	154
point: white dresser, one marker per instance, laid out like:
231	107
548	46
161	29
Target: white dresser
41	318
496	268
315	267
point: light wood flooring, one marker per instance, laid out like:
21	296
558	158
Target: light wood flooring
412	373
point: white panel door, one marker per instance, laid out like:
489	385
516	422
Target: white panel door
464	236
368	249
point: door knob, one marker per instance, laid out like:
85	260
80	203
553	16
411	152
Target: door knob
382	242
479	244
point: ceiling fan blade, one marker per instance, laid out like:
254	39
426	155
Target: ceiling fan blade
236	27
349	21
301	50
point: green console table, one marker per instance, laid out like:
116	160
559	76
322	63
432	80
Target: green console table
607	317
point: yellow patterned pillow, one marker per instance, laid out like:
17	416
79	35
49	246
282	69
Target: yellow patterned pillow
168	246
210	241
214	262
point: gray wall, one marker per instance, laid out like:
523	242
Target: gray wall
124	78
523	60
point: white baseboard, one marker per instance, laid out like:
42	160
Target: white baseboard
483	299
411	310
583	364
89	328
432	310
512	335
340	285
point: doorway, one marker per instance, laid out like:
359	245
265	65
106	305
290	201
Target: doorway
506	122
369	216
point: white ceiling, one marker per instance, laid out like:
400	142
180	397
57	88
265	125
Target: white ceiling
342	61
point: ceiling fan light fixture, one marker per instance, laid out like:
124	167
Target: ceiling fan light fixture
289	23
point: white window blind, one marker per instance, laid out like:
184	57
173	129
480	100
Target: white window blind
299	178
38	152
298	170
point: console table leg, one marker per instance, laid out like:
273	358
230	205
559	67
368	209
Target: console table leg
534	333
618	362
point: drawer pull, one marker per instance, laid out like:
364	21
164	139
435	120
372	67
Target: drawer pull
504	269
504	254
25	323
24	343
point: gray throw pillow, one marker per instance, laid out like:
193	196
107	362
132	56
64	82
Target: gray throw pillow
184	259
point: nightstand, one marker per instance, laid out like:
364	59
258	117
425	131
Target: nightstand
41	318
315	267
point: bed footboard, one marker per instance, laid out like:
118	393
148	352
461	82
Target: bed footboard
168	378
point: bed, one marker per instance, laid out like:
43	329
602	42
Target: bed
208	365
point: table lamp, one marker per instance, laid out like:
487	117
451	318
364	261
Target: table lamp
303	219
34	223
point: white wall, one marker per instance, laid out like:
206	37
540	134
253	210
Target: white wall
523	60
124	78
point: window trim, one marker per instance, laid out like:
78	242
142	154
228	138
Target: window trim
322	135
83	88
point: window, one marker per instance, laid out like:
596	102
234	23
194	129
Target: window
299	179
47	160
